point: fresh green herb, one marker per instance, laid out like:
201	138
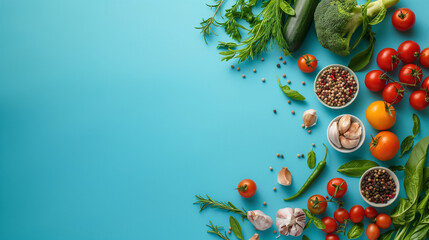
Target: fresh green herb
362	59
235	227
226	45
311	159
206	24
305	237
387	235
308	223
416	124
289	92
210	203
216	230
408	142
397	168
356	168
355	231
316	221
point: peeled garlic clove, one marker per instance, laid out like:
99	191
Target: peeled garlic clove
309	118
344	123
284	177
260	220
334	134
255	237
348	143
354	132
290	221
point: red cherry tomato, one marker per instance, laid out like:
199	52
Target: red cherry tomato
411	74
341	214
307	63
419	99
383	221
393	93
330	224
375	80
247	188
357	213
387	59
337	183
317	204
370	212
331	237
424	58
372	232
408	51
425	83
403	19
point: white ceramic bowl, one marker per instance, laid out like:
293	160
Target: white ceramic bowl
351	72
362	138
395	179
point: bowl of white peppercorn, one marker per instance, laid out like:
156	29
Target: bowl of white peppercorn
379	187
336	86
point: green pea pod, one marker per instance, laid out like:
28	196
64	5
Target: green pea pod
311	178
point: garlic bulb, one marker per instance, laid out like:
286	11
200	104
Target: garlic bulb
354	132
260	220
255	237
334	134
344	123
290	221
349	143
309	118
284	177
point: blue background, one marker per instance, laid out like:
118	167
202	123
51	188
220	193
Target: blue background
115	113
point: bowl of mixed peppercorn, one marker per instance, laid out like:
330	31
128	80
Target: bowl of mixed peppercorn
336	86
379	187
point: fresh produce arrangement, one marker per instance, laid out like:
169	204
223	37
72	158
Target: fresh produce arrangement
286	23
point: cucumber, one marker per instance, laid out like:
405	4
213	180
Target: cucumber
296	27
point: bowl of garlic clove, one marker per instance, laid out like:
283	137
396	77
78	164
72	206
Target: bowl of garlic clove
346	133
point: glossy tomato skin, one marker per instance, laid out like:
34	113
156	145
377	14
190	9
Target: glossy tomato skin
378	115
425	83
247	188
403	19
337	182
384	146
424	58
370	212
307	63
341	215
411	74
383	221
331	236
330	224
375	80
372	232
393	93
419	100
408	51
315	207
387	59
357	213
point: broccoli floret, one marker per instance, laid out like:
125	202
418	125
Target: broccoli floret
337	20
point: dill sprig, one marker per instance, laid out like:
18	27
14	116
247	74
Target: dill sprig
210	203
206	24
216	230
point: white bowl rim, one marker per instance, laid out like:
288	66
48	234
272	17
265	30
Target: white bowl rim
395	179
350	71
362	139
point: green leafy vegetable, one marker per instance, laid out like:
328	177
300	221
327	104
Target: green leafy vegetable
362	59
235	227
408	142
285	6
316	221
397	168
355	231
416	125
290	93
311	159
356	168
387	235
308	223
210	203
216	231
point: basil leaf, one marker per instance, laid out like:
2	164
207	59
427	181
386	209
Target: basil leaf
397	168
285	6
362	59
426	179
416	126
235	227
356	168
407	144
380	16
355	231
387	235
308	223
311	159
305	237
290	93
318	223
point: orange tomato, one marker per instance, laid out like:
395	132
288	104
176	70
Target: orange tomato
381	115
384	146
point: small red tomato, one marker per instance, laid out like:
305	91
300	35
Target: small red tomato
331	237
330	224
372	232
317	204
370	212
387	59
424	58
383	221
375	80
357	213
307	63
337	186
403	19
341	214
247	188
419	99
425	83
393	93
411	74
408	51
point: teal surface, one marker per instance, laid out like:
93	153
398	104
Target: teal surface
115	113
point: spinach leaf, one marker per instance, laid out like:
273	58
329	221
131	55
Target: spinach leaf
416	126
404	212
356	168
355	231
426	179
420	231
387	235
397	168
406	144
290	93
235	227
311	159
305	237
422	207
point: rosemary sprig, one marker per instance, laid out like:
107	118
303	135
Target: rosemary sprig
216	230
228	206
206	24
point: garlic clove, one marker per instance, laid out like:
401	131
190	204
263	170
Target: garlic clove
255	237
334	134
309	118
354	132
349	143
284	177
259	219
344	123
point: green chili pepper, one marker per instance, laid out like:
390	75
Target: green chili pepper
312	177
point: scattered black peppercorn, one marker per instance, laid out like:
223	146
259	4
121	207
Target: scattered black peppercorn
378	186
274	111
278	65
